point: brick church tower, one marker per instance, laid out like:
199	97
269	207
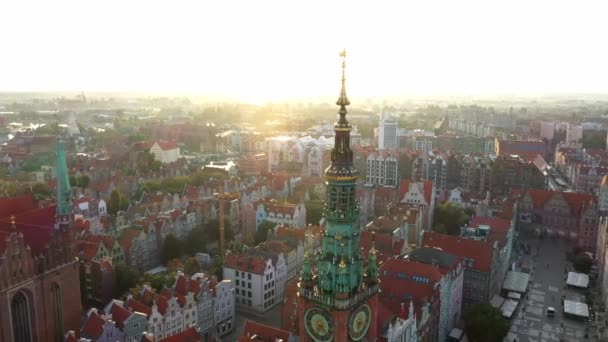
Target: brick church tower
338	289
39	280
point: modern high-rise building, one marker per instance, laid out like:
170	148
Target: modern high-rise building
547	130
574	133
338	294
387	133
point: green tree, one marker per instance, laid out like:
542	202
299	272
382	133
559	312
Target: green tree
8	189
484	323
73	180
195	242
594	141
40	191
171	249
174	185
114	204
582	263
262	234
249	239
448	218
314	211
217	267
191	266
212	228
126	278
83	181
156	281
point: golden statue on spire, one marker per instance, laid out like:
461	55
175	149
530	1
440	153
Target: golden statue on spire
343	100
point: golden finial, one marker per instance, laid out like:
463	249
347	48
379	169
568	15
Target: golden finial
343	99
342	263
372	250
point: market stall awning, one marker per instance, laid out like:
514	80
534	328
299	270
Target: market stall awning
497	301
578	280
576	308
516	282
508	308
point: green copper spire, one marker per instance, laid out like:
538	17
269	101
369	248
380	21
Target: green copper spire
340	263
64	191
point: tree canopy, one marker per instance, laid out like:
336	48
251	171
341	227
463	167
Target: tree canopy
171	249
449	217
262	234
484	323
126	278
117	202
40	191
213	230
314	211
195	243
191	266
582	263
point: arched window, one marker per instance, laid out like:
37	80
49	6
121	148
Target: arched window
57	312
21	318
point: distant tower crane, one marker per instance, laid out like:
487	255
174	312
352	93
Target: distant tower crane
220	198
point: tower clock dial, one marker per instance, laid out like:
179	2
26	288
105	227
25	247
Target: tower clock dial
359	321
319	324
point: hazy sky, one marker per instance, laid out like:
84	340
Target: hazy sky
261	50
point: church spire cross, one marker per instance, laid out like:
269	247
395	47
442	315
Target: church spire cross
343	99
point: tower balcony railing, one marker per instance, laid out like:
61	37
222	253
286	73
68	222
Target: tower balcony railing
341	216
331	301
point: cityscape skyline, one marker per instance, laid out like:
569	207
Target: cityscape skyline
274	51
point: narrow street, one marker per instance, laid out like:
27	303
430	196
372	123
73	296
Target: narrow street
548	267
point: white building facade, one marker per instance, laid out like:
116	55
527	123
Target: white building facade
165	151
387	134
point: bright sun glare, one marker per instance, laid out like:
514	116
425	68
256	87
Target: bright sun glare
264	50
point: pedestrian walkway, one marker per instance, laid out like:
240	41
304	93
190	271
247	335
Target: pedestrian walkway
546	289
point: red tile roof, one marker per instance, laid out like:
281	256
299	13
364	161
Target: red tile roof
404	281
36	225
499	227
87	249
427	188
188	335
119	314
139	307
383	243
576	201
71	337
16	205
252	264
126	239
263	332
479	251
167	145
163	303
94	325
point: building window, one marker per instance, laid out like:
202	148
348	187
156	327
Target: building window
21	318
57	312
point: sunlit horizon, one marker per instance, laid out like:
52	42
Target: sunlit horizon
263	51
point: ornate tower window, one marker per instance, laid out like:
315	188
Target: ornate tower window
57	312
22	329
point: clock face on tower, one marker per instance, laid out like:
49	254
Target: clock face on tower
359	321
319	324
